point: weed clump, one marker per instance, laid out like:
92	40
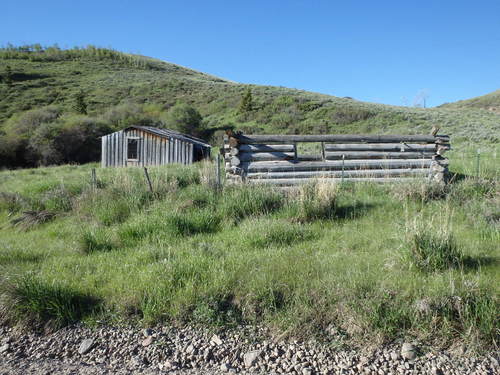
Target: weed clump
244	201
194	222
37	301
95	240
315	201
58	199
11	202
471	188
430	252
277	232
423	191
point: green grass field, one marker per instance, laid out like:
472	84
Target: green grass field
366	261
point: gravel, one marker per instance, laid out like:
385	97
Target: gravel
246	350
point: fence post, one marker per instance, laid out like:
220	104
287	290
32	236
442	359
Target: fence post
148	180
217	172
94	179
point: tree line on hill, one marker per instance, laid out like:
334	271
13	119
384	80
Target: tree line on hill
37	52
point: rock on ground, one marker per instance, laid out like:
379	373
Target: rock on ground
246	350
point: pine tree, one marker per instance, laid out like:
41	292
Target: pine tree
246	104
80	106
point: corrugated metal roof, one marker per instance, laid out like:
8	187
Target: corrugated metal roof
170	133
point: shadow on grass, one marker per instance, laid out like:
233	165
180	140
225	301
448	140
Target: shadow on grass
48	304
352	211
473	263
16	257
21	77
457	177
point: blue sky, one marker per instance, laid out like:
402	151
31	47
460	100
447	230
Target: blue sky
379	51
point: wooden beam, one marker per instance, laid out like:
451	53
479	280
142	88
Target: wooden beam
259	139
266	148
300	181
352	155
348	173
394	147
285	166
266	156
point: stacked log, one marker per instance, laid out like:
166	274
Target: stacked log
274	159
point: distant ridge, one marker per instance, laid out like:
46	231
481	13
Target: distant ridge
490	102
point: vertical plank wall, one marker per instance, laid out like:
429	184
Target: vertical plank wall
153	150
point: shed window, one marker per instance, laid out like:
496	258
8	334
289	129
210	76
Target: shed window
132	147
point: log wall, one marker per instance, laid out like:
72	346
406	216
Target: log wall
274	159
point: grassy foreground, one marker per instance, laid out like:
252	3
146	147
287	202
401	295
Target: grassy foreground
359	260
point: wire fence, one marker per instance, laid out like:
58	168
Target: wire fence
476	163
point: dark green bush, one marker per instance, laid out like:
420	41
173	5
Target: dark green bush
184	118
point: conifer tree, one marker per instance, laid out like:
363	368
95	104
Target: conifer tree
246	104
80	105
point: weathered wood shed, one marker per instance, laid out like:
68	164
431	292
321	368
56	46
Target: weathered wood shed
146	145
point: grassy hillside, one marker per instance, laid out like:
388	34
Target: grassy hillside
489	102
120	89
362	261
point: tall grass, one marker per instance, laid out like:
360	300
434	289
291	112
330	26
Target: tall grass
314	201
42	303
430	251
353	258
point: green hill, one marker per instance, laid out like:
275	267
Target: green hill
490	102
39	87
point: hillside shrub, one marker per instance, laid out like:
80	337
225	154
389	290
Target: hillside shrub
17	132
71	139
185	119
25	123
347	115
127	114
